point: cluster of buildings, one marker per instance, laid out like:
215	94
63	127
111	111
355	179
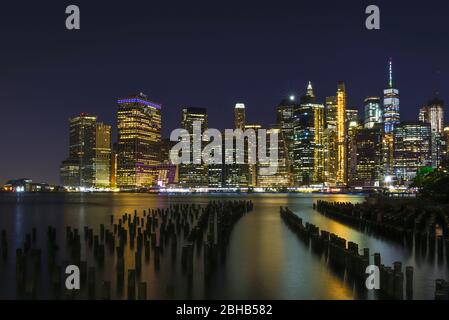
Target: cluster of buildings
320	145
26	185
137	160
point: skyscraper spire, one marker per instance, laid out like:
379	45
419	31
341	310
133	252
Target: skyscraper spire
310	90
391	114
390	79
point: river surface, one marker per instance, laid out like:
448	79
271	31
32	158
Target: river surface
265	260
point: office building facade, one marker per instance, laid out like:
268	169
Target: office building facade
139	141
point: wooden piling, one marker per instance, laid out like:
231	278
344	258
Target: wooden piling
106	290
91	279
142	294
409	282
131	284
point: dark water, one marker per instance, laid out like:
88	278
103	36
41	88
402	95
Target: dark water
265	260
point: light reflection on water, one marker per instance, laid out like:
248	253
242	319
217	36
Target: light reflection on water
265	259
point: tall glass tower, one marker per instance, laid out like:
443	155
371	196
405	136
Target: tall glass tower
391	114
194	174
89	159
341	134
308	146
373	112
79	169
239	116
286	121
433	113
139	140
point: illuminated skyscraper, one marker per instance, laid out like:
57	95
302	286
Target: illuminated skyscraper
391	116
113	174
330	142
69	173
139	140
388	155
239	116
195	174
352	117
412	150
331	112
216	172
353	126
285	114
373	112
102	164
237	175
282	179
78	169
308	147
433	113
252	168
341	134
330	156
446	140
88	165
166	145
367	157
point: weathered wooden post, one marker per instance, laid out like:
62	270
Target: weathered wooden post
83	271
409	282
441	290
91	283
57	278
377	259
102	232
4	245
101	255
106	290
142	295
389	281
398	280
20	269
131	284
96	245
440	246
37	259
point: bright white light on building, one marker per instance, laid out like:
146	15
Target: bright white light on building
388	179
292	98
240	106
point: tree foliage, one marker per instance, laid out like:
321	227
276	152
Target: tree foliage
434	183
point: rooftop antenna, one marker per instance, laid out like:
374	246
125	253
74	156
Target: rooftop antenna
390	81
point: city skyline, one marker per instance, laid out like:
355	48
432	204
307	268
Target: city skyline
338	120
238	67
297	105
316	144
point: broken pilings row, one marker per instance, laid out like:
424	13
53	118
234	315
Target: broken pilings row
441	289
222	218
384	222
130	236
410	225
345	257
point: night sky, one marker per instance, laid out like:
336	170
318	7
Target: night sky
208	54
